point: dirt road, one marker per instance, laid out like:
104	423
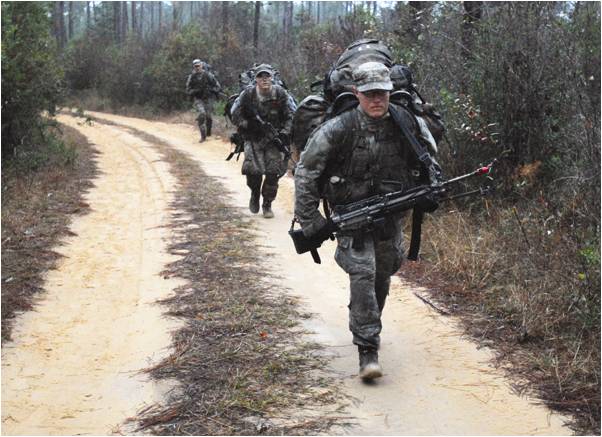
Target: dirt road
435	382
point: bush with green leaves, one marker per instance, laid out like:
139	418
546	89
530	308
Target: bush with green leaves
31	76
166	75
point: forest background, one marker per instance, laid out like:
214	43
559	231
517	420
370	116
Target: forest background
522	77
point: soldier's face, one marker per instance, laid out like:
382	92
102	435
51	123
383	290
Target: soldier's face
264	82
375	103
198	67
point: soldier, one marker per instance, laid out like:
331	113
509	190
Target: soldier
355	155
203	87
264	117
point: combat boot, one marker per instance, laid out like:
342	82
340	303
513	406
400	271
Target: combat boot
369	367
267	210
254	202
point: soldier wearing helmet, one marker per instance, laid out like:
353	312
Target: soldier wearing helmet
203	87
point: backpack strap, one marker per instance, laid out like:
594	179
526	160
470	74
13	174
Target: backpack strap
419	150
425	158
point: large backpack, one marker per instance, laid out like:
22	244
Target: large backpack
336	96
247	79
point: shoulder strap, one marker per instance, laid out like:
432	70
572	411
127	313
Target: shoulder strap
419	150
425	158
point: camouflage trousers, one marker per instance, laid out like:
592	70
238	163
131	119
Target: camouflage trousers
204	109
370	268
268	186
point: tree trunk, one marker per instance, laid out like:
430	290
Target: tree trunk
176	13
88	20
473	11
70	22
205	11
225	24
416	10
61	25
256	29
152	16
134	23
55	23
116	21
124	20
141	24
160	4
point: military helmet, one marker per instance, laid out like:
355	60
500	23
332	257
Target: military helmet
197	62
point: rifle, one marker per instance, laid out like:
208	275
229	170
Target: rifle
274	136
368	214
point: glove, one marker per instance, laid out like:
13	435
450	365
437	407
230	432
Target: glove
327	231
427	203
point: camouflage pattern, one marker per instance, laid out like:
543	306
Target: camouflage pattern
349	158
372	76
262	157
203	87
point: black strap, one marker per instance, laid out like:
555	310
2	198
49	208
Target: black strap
419	150
417	216
425	158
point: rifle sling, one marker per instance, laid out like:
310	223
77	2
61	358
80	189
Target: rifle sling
417	216
423	156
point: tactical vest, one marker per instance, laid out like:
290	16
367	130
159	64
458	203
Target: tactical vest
271	108
368	160
199	82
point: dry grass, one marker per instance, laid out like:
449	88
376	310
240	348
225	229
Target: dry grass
240	358
525	288
41	189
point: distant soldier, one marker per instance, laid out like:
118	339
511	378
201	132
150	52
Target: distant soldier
264	116
204	88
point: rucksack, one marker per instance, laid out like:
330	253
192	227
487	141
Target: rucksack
336	96
247	79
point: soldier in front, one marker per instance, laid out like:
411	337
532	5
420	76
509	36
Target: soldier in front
264	117
203	87
358	154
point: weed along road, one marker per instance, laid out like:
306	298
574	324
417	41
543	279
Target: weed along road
72	368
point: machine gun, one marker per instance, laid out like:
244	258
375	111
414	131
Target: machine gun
368	214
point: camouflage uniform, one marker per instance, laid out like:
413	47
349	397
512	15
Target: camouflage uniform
350	158
203	87
262	156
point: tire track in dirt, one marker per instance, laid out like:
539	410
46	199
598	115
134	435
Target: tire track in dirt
73	365
435	382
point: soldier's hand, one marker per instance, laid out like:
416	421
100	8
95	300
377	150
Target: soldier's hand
427	203
327	231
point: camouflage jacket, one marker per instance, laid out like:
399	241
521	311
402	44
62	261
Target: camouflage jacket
202	85
350	158
274	109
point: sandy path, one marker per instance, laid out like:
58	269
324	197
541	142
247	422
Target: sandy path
72	367
435	382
